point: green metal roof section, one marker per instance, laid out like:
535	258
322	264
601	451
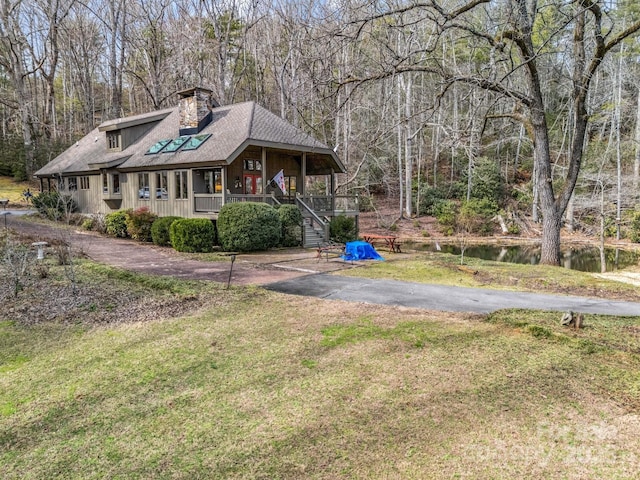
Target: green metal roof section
158	146
195	141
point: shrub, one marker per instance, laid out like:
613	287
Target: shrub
54	205
139	223
445	212
291	220
192	235
160	231
429	198
476	216
487	181
342	229
248	226
634	228
116	223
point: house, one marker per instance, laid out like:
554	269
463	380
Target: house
190	160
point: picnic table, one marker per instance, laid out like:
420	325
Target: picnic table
389	240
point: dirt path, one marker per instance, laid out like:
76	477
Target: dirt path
256	269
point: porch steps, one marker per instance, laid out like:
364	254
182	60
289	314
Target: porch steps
313	237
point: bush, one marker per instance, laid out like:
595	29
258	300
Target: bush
476	216
634	228
160	231
429	198
291	220
445	212
487	181
116	223
194	235
248	226
342	229
139	223
54	205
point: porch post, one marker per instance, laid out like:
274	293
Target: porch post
225	172
263	158
333	193
304	173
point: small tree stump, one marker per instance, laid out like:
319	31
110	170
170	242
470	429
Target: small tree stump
570	319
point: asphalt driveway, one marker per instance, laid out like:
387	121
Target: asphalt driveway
443	298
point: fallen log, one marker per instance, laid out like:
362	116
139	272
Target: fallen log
469	270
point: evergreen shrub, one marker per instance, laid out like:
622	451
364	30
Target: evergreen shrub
429	198
343	229
634	227
446	212
116	223
194	235
160	231
139	223
476	216
248	226
291	220
54	205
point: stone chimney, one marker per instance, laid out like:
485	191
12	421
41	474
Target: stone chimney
195	109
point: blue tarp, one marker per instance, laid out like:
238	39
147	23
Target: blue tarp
360	251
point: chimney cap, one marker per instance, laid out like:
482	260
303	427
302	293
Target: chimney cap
190	91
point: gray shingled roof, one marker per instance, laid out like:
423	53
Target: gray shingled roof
232	129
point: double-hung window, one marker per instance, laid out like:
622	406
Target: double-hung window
162	186
143	186
182	191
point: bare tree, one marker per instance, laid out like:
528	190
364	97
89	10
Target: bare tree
581	32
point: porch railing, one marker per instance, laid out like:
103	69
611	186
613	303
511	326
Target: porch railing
206	202
325	205
212	203
321	205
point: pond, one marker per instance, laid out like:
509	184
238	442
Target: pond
584	259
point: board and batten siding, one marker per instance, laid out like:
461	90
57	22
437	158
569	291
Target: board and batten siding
163	208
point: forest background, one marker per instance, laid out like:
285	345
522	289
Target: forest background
460	109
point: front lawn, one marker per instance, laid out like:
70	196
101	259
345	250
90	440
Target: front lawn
246	383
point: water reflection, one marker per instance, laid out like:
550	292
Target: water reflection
583	259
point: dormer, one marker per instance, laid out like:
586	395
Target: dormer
122	132
195	105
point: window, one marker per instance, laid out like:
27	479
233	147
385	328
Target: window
290	184
158	146
73	183
61	184
105	183
253	165
195	141
143	186
176	144
213	180
113	140
115	179
181	185
84	183
162	186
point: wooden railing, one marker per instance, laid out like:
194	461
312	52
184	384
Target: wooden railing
212	203
206	202
322	205
325	205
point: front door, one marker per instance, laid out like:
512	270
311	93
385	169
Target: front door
252	184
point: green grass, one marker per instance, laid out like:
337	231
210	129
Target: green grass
263	385
12	190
